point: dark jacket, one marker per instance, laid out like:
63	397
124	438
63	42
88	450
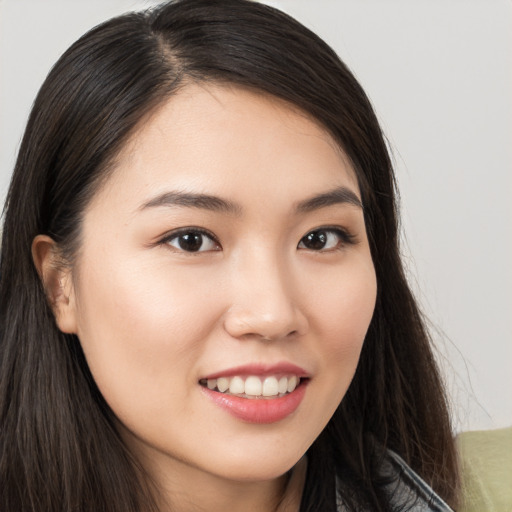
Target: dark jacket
407	490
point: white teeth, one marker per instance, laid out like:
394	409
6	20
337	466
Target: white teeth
254	386
292	383
236	386
222	384
270	387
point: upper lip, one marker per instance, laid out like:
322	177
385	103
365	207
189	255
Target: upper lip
259	369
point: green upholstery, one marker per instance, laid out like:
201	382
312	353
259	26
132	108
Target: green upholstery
486	463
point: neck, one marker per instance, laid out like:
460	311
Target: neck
182	487
187	490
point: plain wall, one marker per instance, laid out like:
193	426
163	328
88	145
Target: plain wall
439	74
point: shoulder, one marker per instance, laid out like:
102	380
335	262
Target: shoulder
407	491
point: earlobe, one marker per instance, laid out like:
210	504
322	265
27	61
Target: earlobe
57	282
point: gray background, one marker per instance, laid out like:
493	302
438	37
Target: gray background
439	73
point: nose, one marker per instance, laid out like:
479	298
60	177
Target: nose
265	303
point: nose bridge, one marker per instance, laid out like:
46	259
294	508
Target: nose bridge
264	298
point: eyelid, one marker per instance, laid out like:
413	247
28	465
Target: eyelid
345	236
175	233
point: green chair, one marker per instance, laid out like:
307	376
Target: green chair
486	464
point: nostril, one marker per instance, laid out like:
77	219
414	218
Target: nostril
276	337
270	323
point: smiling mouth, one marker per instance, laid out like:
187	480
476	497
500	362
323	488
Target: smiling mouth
254	387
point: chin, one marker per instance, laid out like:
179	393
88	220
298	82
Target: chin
262	465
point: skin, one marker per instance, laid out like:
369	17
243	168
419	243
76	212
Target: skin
154	319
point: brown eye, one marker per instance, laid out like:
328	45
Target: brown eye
192	241
314	241
325	239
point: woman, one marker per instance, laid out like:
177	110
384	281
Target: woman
202	300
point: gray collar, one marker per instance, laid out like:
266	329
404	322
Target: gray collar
406	489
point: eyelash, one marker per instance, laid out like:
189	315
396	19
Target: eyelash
344	238
174	235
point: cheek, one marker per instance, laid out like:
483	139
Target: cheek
344	312
140	331
340	316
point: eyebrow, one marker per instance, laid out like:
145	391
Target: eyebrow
193	200
339	195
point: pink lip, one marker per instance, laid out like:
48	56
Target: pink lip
278	369
259	410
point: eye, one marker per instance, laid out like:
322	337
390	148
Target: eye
326	239
192	240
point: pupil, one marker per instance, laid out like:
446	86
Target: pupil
191	242
316	240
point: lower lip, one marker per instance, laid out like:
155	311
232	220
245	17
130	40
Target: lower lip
259	410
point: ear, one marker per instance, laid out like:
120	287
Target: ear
57	282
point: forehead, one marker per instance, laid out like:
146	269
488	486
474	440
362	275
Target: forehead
228	140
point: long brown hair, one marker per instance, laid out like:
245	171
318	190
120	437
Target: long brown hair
59	448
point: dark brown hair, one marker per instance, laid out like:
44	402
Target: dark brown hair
59	448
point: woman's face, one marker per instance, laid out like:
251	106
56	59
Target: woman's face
225	258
